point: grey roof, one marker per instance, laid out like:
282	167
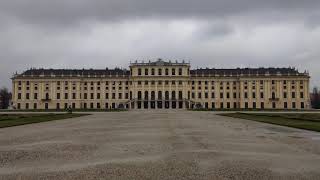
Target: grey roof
246	71
75	72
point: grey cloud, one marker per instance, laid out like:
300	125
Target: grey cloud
75	11
209	33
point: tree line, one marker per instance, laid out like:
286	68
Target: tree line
315	98
5	97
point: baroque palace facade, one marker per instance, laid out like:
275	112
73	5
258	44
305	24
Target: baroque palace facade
161	85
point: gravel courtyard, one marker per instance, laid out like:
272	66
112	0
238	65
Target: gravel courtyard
158	145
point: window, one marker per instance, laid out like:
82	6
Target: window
173	95
199	95
58	95
246	105
98	95
35	95
253	95
301	95
293	95
246	95
73	95
180	94
212	95
27	96
173	71
120	95
254	105
262	105
302	105
273	95
221	95
19	95
234	95
113	95
152	71
285	95
107	95
146	72
139	95
160	72
261	95
65	95
274	105
27	105
91	96
206	95
293	105
139	72
159	95
167	71
285	105
228	95
35	106
47	96
180	71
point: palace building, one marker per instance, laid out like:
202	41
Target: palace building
161	85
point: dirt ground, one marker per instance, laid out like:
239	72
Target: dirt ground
158	145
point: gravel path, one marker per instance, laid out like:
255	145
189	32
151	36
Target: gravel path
158	145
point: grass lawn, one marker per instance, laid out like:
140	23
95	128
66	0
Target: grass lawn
309	121
8	120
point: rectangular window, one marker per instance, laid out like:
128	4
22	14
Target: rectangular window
66	96
73	95
221	95
293	95
27	96
92	96
301	95
294	105
85	96
261	95
35	95
98	95
199	95
285	105
302	105
107	95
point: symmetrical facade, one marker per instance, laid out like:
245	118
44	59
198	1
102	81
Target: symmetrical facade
162	85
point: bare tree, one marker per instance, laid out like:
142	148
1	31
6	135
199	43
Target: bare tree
5	96
315	98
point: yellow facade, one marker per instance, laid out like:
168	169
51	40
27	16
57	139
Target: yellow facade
162	85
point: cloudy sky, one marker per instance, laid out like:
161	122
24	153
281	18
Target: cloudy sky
110	33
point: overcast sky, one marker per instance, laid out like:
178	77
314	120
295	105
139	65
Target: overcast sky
110	33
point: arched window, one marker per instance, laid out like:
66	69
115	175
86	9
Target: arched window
146	95
152	71
159	94
167	95
173	71
153	95
173	95
160	72
167	71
